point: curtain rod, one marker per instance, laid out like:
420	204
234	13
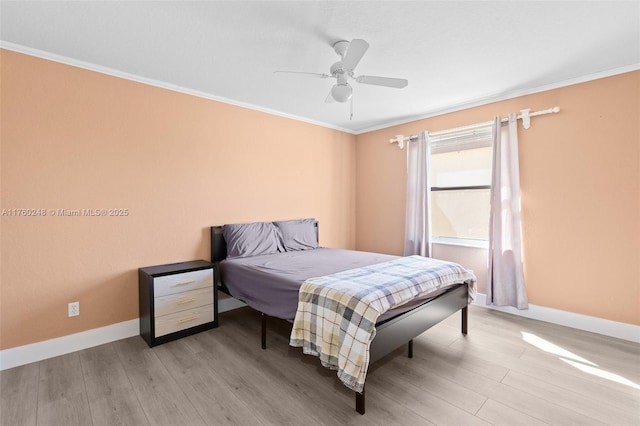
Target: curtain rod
524	115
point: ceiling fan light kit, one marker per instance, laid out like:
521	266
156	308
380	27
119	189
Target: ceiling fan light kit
350	55
341	92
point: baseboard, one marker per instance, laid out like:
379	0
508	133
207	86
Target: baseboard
34	352
606	327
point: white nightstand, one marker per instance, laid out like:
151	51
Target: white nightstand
176	300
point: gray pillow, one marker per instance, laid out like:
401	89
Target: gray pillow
251	239
298	234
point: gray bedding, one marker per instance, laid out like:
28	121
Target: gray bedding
270	283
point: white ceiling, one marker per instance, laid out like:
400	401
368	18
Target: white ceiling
454	53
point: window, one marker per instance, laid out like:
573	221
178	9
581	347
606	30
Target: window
460	173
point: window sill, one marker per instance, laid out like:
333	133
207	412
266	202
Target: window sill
461	242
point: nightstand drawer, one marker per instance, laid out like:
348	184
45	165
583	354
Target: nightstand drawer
182	320
182	301
178	283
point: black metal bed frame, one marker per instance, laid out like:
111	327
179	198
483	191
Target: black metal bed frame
391	333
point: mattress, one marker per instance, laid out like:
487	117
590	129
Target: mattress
271	283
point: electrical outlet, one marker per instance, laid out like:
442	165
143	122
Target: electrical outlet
74	309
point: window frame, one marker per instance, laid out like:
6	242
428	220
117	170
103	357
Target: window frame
460	140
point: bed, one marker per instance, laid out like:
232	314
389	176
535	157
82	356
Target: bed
269	265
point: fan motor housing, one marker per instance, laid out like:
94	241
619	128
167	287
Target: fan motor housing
337	69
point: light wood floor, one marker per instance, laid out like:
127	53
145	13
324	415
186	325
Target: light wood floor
507	371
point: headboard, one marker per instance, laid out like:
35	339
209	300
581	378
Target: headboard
219	246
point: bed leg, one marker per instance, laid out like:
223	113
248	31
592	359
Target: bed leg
410	347
465	319
360	402
264	332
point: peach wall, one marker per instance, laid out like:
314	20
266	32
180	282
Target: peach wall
76	139
580	179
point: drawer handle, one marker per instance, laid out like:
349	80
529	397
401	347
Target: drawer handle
183	283
183	301
183	320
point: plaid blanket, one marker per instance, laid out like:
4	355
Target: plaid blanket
337	313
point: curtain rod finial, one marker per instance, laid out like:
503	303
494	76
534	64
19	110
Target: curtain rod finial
399	139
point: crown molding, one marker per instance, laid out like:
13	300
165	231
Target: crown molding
505	96
428	114
156	83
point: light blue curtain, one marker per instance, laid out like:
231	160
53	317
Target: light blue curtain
505	283
417	234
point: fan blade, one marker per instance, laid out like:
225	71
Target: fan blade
355	52
329	99
397	83
315	74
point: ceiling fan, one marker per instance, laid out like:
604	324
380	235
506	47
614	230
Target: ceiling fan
350	55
